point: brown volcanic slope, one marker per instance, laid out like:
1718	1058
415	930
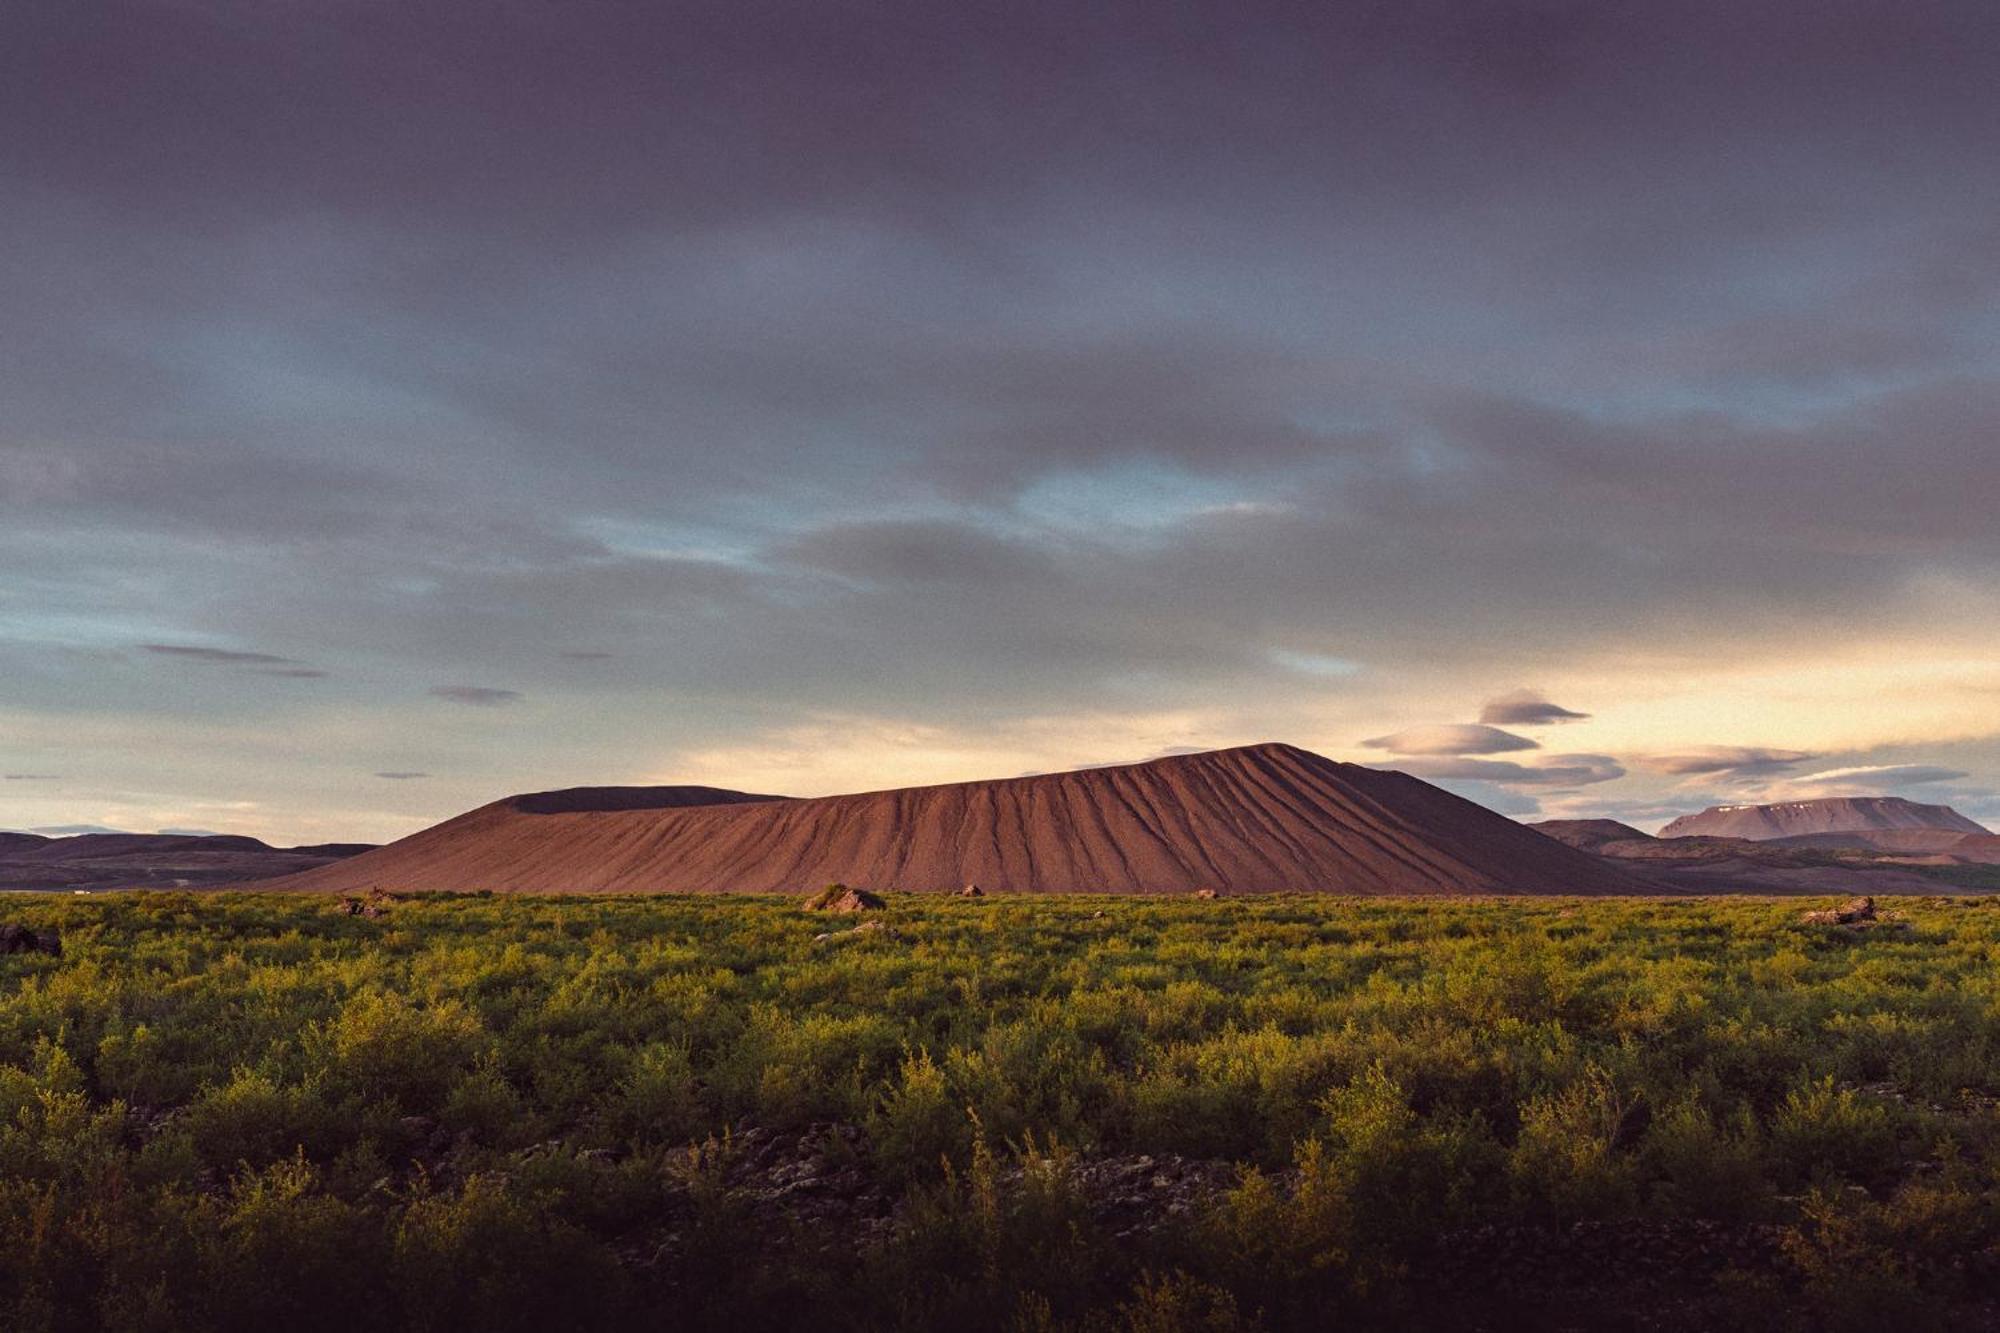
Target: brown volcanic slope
1838	814
1259	819
1983	848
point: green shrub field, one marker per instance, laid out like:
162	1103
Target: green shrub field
231	1111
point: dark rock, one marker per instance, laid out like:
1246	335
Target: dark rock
21	939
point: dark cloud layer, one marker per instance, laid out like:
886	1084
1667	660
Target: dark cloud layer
714	364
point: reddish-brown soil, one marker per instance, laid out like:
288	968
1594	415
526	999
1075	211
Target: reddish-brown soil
1980	847
1260	819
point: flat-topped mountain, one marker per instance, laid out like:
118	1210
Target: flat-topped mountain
1833	814
1259	819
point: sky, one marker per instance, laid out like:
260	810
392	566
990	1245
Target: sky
1593	406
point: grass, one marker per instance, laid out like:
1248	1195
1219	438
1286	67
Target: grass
223	1111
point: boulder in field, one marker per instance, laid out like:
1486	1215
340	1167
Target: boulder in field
1857	916
1848	913
840	898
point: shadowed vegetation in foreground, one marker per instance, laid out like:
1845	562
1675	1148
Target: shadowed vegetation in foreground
234	1112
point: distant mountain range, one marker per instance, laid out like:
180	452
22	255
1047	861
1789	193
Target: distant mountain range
1257	819
152	860
1847	844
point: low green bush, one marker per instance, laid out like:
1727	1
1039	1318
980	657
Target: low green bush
235	1111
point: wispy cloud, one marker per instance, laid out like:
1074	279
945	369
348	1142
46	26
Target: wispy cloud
262	664
1882	775
1729	760
216	656
477	696
1451	738
1559	770
394	776
1526	708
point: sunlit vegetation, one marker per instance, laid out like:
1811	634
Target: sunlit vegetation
236	1112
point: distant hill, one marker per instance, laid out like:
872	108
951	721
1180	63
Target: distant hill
1588	834
152	860
1259	819
333	851
1834	814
